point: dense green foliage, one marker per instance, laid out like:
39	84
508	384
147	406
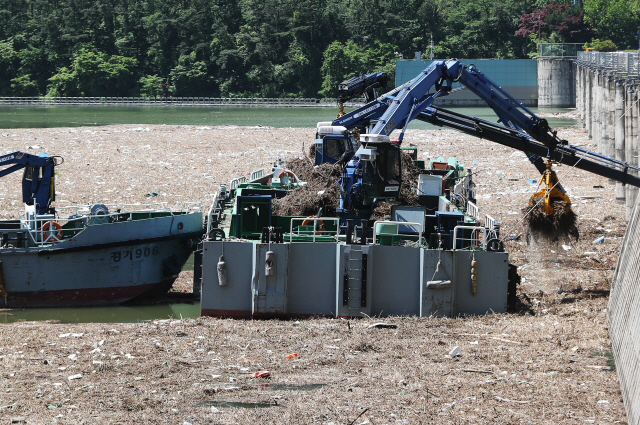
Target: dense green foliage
270	48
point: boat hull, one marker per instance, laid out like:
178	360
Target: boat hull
137	261
288	280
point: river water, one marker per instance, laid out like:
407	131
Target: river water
77	116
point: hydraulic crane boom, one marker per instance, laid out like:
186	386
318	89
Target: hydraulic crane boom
38	181
561	153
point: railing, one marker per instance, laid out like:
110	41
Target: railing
39	231
257	174
317	221
559	50
235	182
175	101
474	241
397	225
620	62
472	210
492	226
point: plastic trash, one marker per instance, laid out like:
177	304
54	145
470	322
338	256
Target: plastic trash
512	238
383	326
261	374
75	335
72	377
455	352
291	356
599	240
566	247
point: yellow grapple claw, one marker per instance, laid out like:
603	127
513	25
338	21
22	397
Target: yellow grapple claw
550	191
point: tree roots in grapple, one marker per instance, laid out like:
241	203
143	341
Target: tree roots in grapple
552	227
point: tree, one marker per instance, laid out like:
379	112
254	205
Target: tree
151	86
617	20
555	23
191	78
95	74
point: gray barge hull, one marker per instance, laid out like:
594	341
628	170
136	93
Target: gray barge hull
338	280
104	264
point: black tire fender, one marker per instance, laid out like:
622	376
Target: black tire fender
495	244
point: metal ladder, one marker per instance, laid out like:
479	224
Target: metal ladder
354	284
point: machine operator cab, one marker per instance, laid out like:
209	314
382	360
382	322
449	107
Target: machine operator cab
333	143
381	166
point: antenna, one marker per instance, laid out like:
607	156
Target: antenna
431	45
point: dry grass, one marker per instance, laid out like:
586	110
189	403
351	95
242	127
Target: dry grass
531	367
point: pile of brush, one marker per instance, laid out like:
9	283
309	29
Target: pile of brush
321	190
561	223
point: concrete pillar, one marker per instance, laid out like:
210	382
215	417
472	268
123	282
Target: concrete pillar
589	102
556	83
604	114
611	116
597	115
635	137
632	142
580	93
619	133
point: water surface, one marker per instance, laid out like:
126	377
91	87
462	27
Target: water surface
80	116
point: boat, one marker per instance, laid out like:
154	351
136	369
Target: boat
438	257
94	254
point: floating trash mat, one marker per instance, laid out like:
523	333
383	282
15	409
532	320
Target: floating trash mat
237	404
290	387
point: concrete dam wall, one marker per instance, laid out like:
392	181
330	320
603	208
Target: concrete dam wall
607	100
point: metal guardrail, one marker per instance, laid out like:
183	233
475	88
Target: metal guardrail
318	223
174	101
477	237
621	62
559	50
397	225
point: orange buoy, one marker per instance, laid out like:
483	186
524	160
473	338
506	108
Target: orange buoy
309	220
54	231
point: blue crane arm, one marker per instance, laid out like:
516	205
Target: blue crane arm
402	104
38	181
398	107
535	149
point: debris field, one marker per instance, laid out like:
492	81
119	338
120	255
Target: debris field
548	363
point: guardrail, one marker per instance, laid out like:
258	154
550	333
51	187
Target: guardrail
314	223
559	50
396	232
176	101
620	62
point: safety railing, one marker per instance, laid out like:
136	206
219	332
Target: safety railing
559	50
316	225
621	62
256	174
52	229
238	181
472	210
492	225
469	237
386	226
176	101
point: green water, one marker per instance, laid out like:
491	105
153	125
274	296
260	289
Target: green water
78	116
116	314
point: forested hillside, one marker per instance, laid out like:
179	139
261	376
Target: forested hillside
269	48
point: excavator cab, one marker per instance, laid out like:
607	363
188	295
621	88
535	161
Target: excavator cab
381	166
333	144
